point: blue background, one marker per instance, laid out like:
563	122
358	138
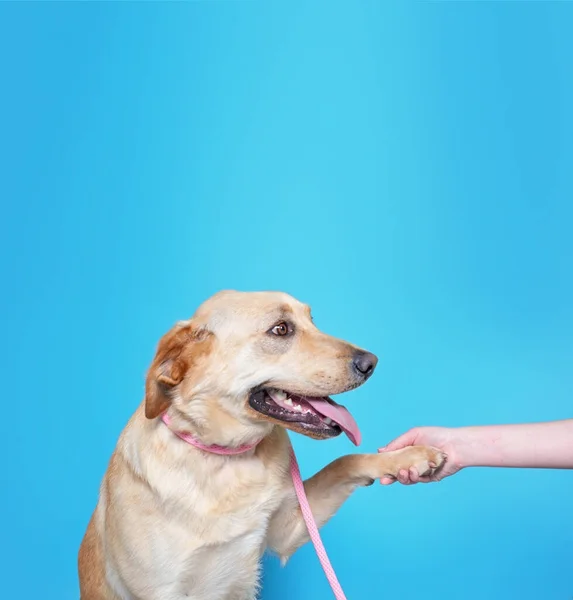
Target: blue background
404	168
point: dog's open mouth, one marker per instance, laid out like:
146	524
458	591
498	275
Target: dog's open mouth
319	416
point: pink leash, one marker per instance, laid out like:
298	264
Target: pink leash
313	529
300	494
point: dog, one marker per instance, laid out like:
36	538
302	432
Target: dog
175	521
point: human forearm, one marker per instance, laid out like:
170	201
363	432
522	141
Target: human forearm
536	445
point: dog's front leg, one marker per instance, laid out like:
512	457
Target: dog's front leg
329	488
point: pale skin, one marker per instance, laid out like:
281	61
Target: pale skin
547	445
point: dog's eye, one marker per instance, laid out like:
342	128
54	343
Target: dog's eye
281	329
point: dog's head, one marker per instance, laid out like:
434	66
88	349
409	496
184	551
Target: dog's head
247	361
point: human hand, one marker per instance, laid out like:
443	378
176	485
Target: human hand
450	441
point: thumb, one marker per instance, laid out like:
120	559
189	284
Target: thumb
387	480
406	439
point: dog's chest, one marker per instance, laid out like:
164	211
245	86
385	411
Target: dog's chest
218	539
197	529
230	503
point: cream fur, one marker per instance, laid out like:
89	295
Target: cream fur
173	522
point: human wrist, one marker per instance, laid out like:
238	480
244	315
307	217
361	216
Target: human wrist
472	447
483	446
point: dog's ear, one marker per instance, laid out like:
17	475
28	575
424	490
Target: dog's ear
172	360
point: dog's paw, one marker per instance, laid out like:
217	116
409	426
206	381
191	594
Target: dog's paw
425	459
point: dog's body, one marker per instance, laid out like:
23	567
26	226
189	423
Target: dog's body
174	522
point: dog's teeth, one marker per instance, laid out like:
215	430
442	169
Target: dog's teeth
280	395
298	407
328	421
288	401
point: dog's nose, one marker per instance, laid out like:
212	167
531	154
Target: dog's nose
364	363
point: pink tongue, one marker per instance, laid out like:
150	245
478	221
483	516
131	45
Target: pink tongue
340	415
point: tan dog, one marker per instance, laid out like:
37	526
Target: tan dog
174	522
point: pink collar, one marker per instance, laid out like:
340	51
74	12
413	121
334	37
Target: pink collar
300	493
213	448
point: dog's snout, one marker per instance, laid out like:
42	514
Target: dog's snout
364	363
